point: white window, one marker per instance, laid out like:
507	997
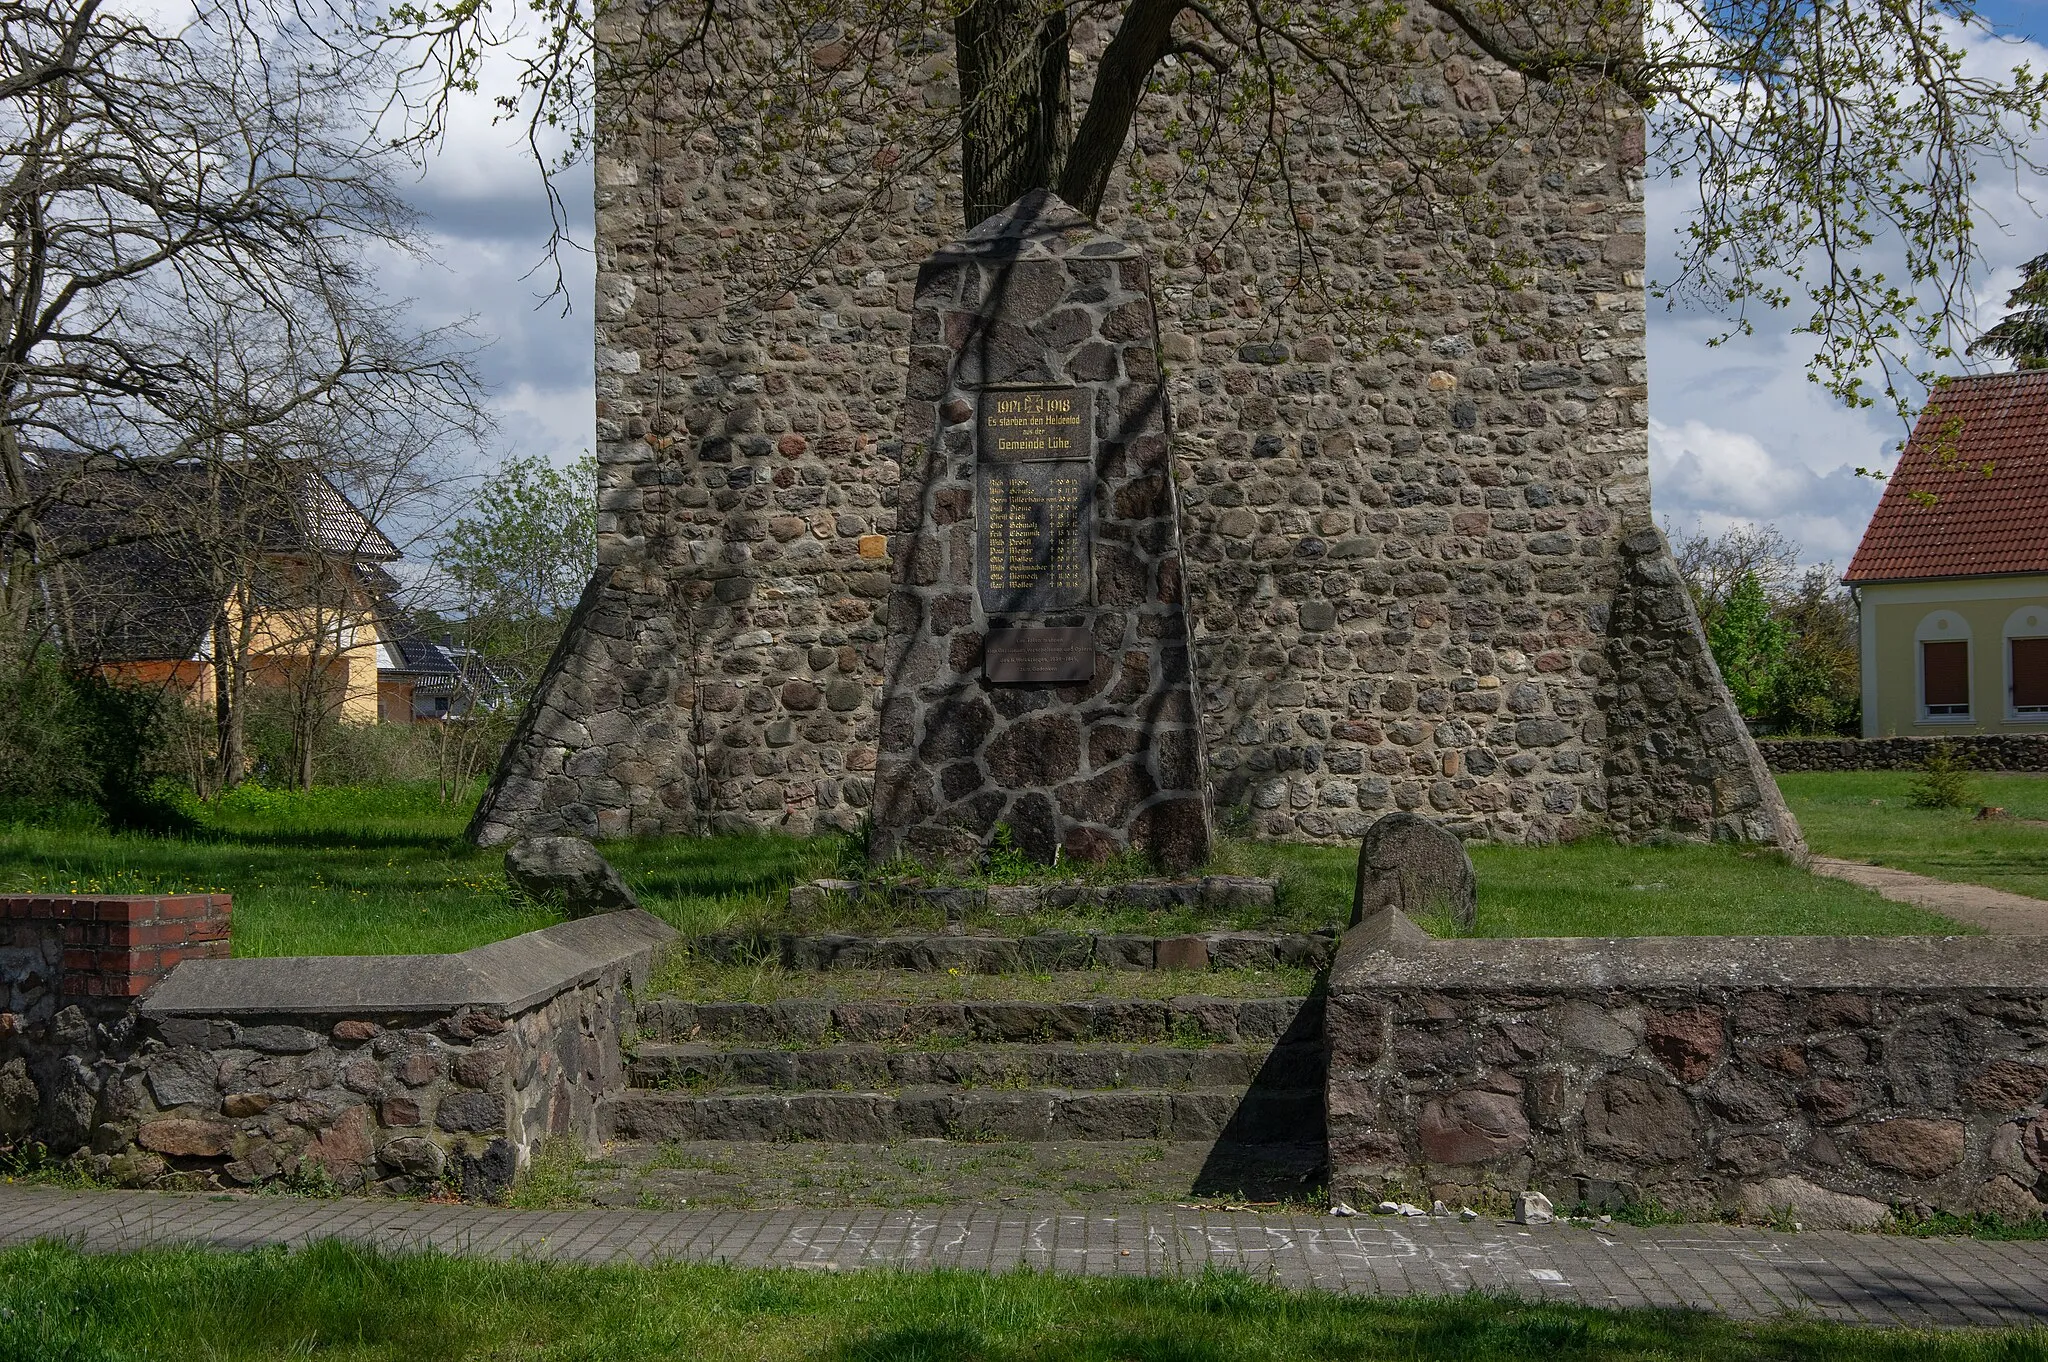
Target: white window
2026	663
1942	645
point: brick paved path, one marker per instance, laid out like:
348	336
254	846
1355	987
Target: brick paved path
1856	1278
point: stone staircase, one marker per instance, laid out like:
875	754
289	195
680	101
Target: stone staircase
1243	1076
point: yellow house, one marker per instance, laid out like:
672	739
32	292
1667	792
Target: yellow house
1951	578
159	567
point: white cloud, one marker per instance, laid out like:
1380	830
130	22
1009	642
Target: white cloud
1709	478
486	215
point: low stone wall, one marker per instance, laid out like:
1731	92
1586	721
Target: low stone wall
1981	751
406	1072
1831	1078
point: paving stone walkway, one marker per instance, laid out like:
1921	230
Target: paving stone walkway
1855	1278
1989	910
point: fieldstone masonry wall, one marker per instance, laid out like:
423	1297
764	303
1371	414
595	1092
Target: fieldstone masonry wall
1403	541
408	1073
1978	751
1831	1077
71	969
1679	760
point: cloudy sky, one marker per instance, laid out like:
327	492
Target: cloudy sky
1737	433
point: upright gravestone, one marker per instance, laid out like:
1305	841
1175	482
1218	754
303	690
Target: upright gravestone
1038	674
1407	862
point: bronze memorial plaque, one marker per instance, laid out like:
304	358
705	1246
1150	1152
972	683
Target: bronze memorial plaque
1035	522
1043	656
1030	425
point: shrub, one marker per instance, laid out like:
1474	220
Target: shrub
71	739
1943	782
452	752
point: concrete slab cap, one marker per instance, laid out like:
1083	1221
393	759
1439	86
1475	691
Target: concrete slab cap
1383	953
504	976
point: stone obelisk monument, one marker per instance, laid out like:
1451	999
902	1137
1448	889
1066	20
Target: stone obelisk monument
1038	674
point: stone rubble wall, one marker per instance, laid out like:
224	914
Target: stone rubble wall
1829	1078
1402	558
1978	751
410	1096
1680	761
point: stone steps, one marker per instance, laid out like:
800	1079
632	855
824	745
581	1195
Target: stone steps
1236	1114
812	1022
1245	1071
1066	1065
1043	1176
1046	951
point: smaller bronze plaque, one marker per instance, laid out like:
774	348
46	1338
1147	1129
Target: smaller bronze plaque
1055	657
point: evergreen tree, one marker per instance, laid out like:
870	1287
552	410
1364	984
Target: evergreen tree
2022	334
1749	644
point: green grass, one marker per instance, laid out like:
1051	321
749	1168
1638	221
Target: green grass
353	1305
384	871
1865	816
1943	1225
1595	888
378	871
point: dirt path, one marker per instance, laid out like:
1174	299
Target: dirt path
1990	910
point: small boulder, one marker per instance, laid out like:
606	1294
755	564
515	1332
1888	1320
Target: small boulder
2007	1200
1409	863
186	1138
568	871
1810	1205
19	1100
1913	1145
1533	1208
413	1156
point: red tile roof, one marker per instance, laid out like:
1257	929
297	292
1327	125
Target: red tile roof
1970	495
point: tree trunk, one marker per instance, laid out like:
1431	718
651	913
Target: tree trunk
1015	107
1142	39
230	760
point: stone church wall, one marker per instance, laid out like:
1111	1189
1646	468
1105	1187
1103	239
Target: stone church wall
1404	555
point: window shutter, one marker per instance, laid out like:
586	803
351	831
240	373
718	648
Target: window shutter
1945	676
2030	673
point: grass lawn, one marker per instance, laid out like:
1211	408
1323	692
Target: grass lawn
1865	816
1599	889
378	872
345	1303
384	871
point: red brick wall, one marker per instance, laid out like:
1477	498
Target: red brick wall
116	946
